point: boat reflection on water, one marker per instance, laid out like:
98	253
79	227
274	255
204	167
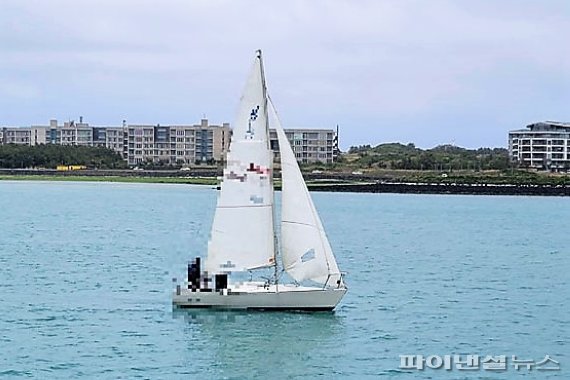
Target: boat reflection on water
254	343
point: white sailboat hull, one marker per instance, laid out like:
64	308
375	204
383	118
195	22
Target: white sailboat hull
251	296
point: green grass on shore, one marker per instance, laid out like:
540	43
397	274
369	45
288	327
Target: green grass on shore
78	178
514	177
177	180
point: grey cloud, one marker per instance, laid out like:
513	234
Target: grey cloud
409	70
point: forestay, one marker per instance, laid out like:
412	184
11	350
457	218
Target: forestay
242	236
305	249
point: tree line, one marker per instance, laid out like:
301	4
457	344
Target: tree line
50	156
384	156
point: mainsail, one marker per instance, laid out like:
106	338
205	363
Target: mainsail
242	236
305	249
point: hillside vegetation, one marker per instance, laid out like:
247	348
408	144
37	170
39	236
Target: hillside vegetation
443	158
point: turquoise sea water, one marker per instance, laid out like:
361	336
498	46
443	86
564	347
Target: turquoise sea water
86	273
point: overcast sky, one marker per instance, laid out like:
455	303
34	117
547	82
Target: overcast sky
429	72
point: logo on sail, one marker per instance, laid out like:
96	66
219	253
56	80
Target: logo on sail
252	117
308	256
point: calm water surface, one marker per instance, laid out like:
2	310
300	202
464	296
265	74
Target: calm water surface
86	273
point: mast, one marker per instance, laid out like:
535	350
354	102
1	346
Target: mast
265	100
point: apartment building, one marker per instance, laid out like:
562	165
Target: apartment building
141	144
543	145
114	138
15	135
79	134
310	145
23	136
177	144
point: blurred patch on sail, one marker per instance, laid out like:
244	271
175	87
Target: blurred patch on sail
308	256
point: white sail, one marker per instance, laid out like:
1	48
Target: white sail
305	249
242	235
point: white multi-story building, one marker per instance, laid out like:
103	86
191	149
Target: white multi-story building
79	134
137	144
15	135
23	136
172	144
310	145
114	138
543	145
177	144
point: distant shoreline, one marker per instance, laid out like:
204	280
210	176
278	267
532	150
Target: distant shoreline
445	188
314	184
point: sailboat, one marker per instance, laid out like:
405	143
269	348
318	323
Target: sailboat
243	236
